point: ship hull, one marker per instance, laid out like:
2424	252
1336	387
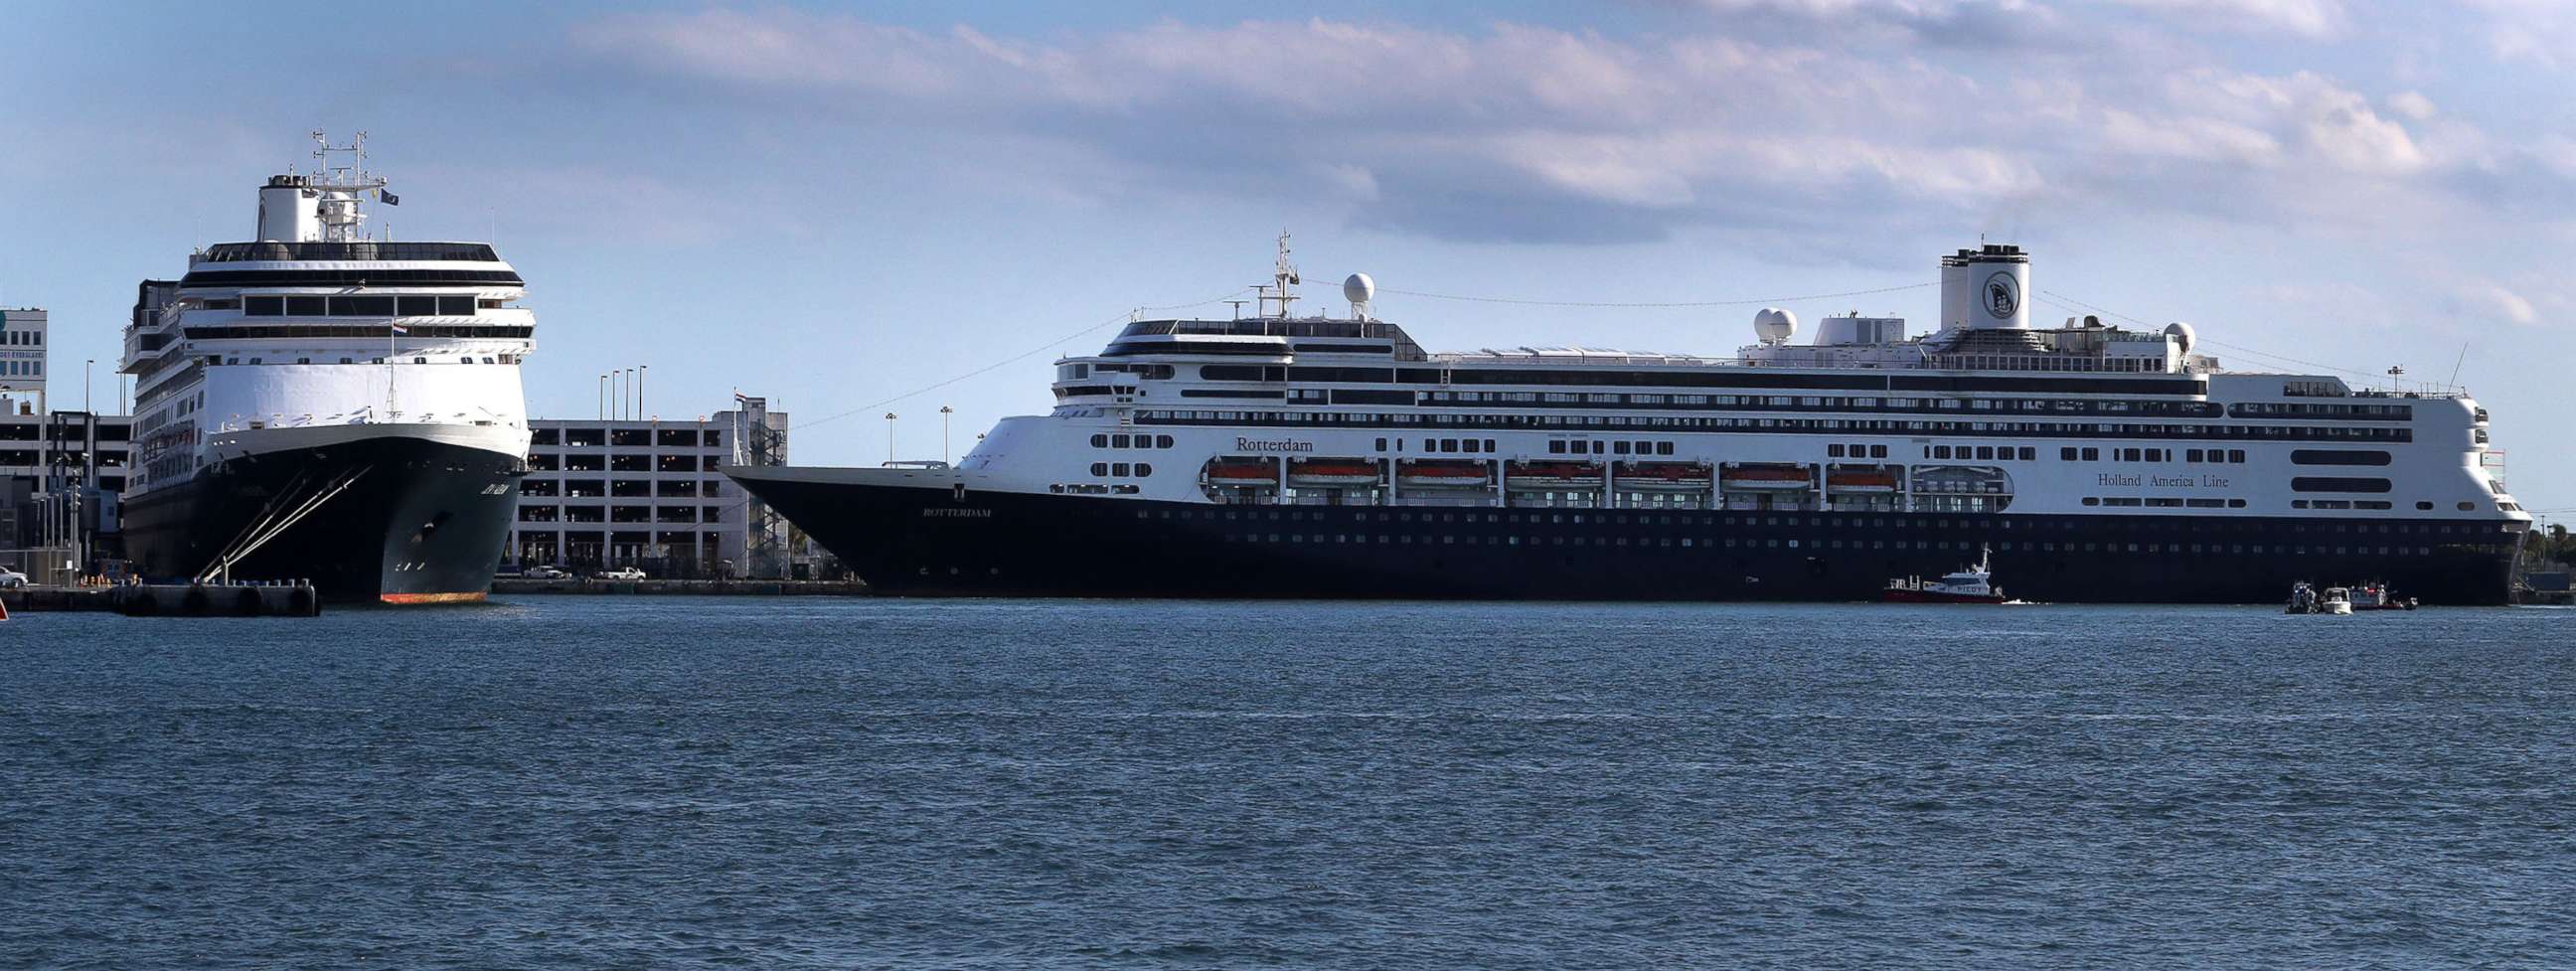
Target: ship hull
412	520
1901	596
916	534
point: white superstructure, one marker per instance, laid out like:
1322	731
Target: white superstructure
315	334
1987	414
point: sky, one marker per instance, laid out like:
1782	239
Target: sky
839	205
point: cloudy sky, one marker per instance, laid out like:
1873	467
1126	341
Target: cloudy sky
837	205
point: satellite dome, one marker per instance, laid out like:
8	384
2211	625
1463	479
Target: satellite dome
1359	288
2182	334
1774	325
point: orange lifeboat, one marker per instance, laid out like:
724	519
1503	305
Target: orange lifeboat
1861	478
1443	473
1241	472
1552	476
1332	472
1665	476
1768	475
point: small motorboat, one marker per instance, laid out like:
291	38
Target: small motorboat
1968	585
2377	596
2337	600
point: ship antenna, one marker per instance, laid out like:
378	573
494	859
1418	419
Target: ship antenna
1283	275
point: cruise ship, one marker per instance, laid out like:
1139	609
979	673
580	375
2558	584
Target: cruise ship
1331	456
315	404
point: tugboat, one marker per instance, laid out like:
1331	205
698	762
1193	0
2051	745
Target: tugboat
1966	586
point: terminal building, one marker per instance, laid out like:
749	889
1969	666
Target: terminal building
651	494
60	471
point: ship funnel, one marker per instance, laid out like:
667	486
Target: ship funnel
289	211
1986	288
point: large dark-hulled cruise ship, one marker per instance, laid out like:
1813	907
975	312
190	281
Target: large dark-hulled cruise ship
1286	456
317	405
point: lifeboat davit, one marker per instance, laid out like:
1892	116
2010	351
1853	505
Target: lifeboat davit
1241	472
1332	472
1665	476
1861	478
1557	476
1443	473
1768	476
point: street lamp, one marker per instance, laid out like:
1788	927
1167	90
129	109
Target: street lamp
889	438
944	411
86	367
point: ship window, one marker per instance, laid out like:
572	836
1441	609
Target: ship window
263	306
2066	455
1100	468
1878	451
1474	445
362	306
2236	504
2092	500
305	306
303	360
1100	441
1833	451
2236	455
1619	448
1117	441
1162	441
1555	446
416	306
456	306
1940	451
1143	468
420	360
2029	454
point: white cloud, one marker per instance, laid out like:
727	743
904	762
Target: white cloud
2305	18
1528	132
2493	300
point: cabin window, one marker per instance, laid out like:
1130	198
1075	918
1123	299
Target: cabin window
1165	441
263	306
1100	441
1100	468
306	306
456	306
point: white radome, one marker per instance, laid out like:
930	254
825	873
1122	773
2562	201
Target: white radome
1359	288
1775	325
2183	333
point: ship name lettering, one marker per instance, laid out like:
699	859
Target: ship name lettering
944	512
1272	445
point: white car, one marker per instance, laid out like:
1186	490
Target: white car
546	573
624	573
11	579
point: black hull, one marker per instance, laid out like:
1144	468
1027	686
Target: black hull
921	541
424	523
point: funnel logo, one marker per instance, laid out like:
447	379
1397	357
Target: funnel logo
2001	297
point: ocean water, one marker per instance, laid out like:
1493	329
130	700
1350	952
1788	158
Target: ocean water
564	782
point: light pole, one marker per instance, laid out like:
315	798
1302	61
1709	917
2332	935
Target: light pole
889	438
639	388
944	412
87	366
603	397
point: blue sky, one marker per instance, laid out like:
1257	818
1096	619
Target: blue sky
837	204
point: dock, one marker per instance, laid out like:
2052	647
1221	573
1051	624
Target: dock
171	600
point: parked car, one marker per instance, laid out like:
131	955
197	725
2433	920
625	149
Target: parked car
11	579
623	573
546	573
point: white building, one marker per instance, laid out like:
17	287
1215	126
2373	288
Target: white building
22	361
645	493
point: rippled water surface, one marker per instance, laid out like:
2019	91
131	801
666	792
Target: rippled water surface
821	783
